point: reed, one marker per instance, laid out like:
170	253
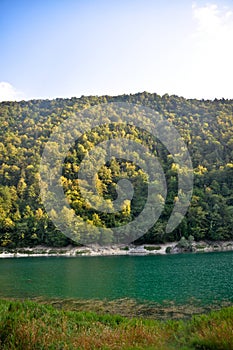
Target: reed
28	325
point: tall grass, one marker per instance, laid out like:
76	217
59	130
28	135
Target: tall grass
32	326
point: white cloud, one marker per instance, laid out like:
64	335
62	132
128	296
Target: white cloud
213	20
9	93
213	50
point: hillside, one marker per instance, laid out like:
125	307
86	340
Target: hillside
205	126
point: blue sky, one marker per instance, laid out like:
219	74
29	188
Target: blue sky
68	48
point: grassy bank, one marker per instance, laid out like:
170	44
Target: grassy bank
29	325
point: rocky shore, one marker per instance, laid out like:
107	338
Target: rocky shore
97	250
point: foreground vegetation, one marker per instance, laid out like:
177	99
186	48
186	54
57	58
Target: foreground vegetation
206	127
28	325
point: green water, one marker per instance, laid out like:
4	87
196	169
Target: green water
205	277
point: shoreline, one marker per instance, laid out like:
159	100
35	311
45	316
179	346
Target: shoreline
118	250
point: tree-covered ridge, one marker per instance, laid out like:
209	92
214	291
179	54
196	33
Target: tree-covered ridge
205	126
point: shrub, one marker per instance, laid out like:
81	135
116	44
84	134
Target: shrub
183	243
200	246
125	248
150	248
168	250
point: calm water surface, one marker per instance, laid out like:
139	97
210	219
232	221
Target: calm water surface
206	277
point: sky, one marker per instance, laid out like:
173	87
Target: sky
66	48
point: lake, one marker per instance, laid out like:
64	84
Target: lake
206	277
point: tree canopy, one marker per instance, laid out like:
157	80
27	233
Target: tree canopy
205	126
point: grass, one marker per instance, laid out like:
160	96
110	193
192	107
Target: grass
29	325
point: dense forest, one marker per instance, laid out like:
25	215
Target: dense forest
206	128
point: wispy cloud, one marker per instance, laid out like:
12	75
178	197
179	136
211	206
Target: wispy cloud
213	50
213	21
214	29
9	93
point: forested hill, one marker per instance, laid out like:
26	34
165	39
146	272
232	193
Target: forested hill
206	128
